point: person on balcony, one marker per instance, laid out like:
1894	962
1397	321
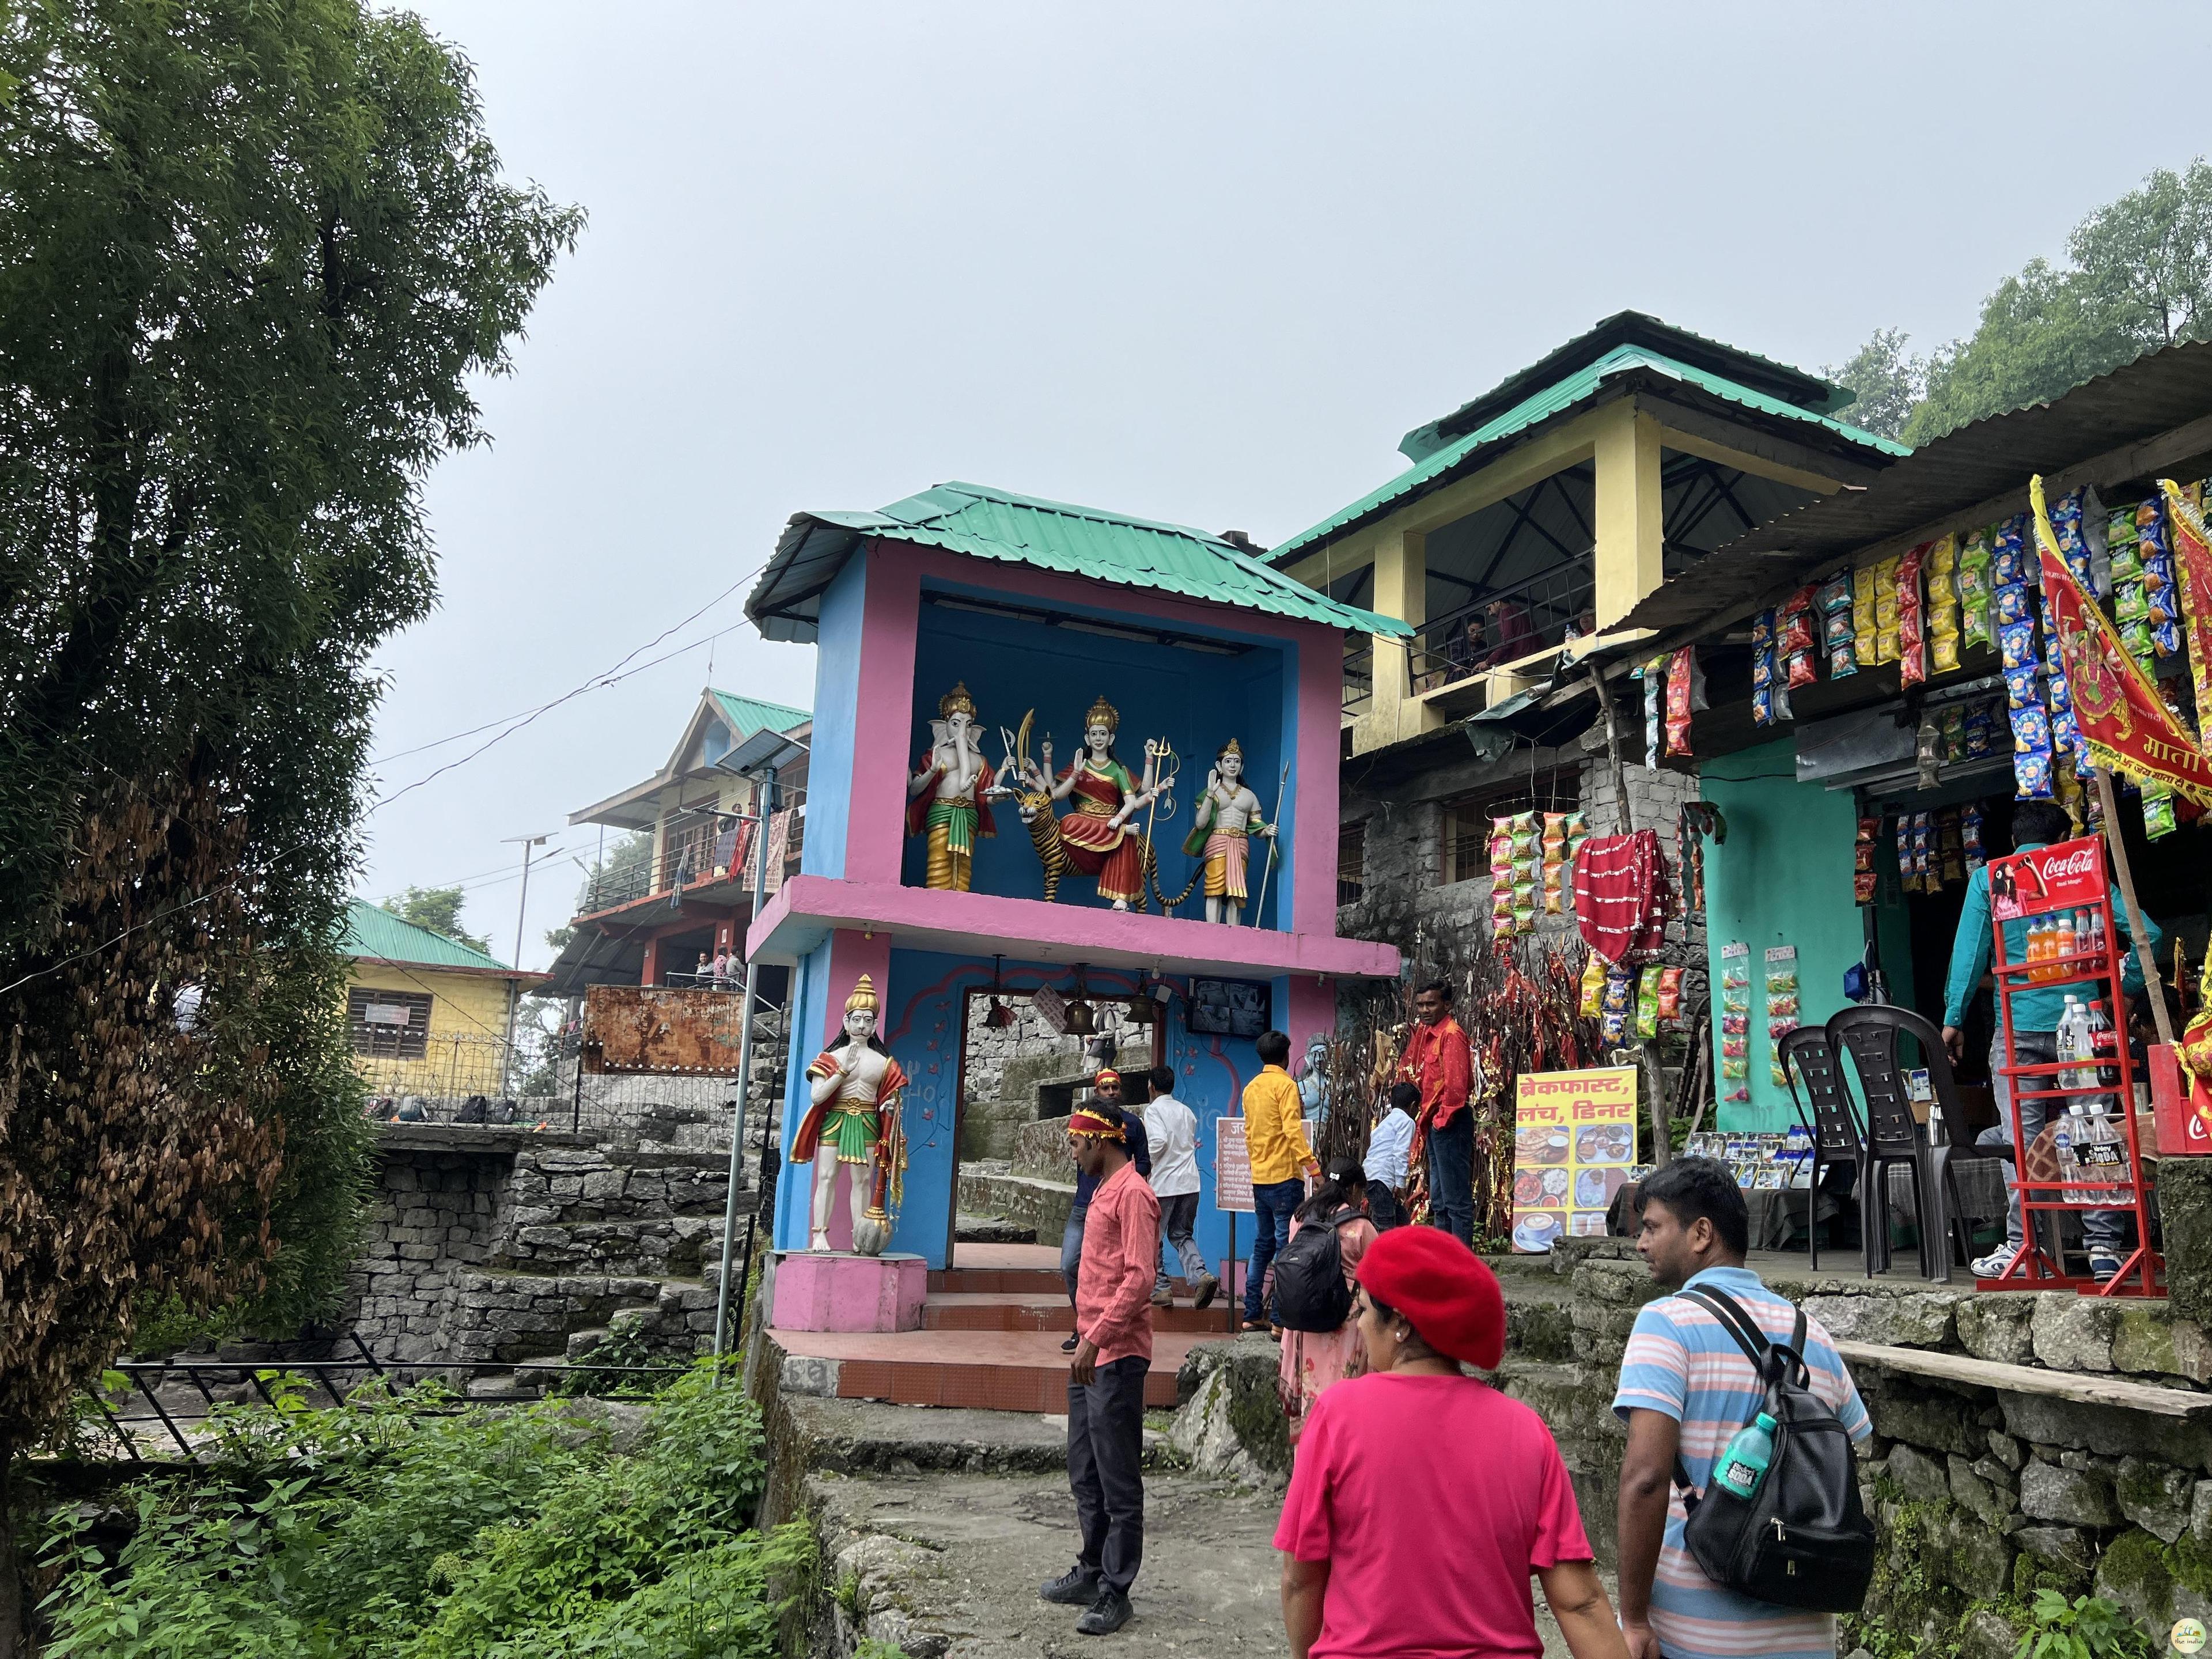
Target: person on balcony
1512	635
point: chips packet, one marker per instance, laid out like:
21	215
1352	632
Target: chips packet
1647	1003
1592	987
1670	994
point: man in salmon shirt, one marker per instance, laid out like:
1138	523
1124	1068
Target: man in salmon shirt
1436	1062
1106	1385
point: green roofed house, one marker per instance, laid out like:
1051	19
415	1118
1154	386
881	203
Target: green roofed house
425	1014
675	854
1541	511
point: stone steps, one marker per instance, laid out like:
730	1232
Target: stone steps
992	1230
1029	1312
1030	1201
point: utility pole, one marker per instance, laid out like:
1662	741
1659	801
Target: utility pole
514	986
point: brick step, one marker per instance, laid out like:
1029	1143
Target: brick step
989	1370
1018	1312
980	1281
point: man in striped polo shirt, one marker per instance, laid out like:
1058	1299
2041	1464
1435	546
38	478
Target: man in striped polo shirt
1687	1387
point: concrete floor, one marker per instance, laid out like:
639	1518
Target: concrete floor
1209	1585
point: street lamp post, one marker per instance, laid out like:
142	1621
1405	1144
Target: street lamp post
514	986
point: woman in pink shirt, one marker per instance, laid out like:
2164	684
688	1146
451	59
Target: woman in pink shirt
1423	1499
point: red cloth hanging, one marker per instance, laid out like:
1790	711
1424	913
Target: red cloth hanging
1620	892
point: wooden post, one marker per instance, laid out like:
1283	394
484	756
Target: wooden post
2148	963
1655	1080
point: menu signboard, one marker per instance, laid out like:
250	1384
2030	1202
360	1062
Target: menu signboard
1574	1140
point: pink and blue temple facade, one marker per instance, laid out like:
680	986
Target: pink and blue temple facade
1038	606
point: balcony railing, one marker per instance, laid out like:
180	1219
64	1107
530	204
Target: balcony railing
695	848
1506	625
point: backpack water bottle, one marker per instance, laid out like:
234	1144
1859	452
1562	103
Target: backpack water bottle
1742	1465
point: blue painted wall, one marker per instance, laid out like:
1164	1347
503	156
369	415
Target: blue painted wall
837	700
1196	700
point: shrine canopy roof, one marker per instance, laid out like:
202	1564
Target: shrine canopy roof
1629	343
984	523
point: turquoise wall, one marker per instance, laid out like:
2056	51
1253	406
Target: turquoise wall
1784	877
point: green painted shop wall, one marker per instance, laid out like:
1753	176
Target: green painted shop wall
1784	877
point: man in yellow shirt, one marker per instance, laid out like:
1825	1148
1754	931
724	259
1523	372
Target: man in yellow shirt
1275	1136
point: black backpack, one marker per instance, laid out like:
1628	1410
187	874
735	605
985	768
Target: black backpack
1803	1540
1310	1294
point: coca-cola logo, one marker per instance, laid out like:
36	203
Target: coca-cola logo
2051	879
2079	862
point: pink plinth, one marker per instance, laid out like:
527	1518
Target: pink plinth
837	1291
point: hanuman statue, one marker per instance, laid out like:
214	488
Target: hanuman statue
1226	817
854	1125
945	797
1096	835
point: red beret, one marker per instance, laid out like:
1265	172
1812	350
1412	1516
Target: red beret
1444	1289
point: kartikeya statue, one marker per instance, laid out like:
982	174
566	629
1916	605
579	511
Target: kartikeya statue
1096	839
1226	817
854	1125
946	794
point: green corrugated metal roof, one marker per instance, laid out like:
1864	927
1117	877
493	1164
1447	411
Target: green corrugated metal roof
373	931
984	523
747	715
1564	394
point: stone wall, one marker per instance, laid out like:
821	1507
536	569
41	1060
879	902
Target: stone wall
487	1246
1984	1492
1005	1070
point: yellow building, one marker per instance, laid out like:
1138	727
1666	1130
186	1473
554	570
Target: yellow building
1536	516
427	1015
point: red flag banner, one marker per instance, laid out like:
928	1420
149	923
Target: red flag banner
2192	566
2120	715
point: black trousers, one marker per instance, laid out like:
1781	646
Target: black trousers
1451	1176
1105	1468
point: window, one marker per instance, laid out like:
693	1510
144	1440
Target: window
1466	821
1350	862
388	1024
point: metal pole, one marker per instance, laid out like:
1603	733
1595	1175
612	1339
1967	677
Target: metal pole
514	986
2151	987
764	807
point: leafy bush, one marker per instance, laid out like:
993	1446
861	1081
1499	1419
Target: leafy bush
2084	1628
410	1529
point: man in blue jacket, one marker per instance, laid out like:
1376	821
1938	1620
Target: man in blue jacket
2035	1011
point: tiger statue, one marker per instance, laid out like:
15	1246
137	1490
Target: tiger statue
1035	807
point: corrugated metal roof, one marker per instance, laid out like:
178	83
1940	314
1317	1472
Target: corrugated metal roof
372	930
1790	384
747	715
1988	461
1554	400
983	523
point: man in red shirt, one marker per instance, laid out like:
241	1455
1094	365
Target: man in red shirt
1106	1385
1436	1062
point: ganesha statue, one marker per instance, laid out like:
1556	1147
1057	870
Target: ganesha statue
948	794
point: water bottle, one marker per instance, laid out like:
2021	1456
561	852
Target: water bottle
2104	1157
2066	1043
2062	1143
1742	1465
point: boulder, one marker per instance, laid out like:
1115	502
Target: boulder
1977	1560
2074	1333
1921	1478
2185	1203
1997	1327
2080	1498
1974	1493
1230	1425
2068	1547
2149	1338
1922	1320
2156	1497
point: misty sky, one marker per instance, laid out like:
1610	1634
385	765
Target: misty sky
1201	263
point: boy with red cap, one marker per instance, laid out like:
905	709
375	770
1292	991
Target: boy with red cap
1106	1385
1422	1498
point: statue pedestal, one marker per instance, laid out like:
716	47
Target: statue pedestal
837	1291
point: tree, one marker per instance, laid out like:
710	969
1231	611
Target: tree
439	910
2138	277
1889	381
250	254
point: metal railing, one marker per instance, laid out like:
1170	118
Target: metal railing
695	847
1533	616
1359	673
454	1063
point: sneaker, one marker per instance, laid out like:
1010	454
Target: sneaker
2104	1264
1079	1587
1997	1263
1074	1341
1107	1614
1163	1298
1206	1288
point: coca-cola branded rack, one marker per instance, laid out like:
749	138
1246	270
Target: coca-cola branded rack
2062	894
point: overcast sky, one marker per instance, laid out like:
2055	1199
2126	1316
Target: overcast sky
1196	262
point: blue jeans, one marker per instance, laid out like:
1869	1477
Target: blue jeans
1451	1176
1272	1202
1071	1250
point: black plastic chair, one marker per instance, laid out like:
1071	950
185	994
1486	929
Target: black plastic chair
1893	1136
1808	1055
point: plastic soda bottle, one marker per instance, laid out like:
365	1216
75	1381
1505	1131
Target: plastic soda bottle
2103	1156
2062	1143
1742	1465
2104	1046
2081	946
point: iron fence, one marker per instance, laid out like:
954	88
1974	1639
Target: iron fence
1507	625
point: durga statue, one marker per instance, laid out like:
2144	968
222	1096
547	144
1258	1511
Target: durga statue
852	1125
1096	839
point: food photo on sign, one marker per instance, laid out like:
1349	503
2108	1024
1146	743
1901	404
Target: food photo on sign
1574	1147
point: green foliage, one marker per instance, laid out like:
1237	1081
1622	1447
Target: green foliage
2087	1627
2137	276
439	910
610	1369
378	1532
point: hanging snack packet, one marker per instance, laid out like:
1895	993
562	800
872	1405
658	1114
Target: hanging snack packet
1954	733
1973	579
1980	740
2158	814
1911	618
1885	610
1526	834
1577	833
2030	731
1906	873
2126	556
1614	1015
1651	672
2014	603
1501	910
2166	638
1866	622
1647	1003
1685	693
2073	544
1593	1000
2008	559
2031	774
2134	638
2150	527
2016	644
2065	738
2021	688
1670	994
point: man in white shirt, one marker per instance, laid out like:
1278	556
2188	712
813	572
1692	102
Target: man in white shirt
1388	1146
1172	1129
